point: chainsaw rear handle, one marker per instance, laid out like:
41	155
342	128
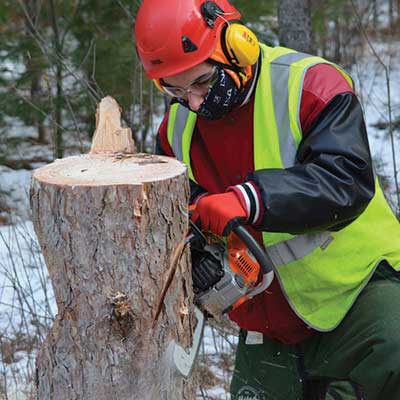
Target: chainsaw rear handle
262	258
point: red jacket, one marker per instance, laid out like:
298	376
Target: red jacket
222	155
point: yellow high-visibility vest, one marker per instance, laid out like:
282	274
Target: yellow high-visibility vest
321	274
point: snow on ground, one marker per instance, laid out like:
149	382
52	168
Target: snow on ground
17	129
27	307
14	187
22	268
217	353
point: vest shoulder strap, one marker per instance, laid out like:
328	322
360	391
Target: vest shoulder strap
279	93
181	124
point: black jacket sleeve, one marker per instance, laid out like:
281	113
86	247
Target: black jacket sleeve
332	181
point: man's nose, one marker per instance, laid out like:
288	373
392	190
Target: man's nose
194	101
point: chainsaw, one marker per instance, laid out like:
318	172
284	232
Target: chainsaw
225	275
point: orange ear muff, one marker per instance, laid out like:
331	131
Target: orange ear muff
158	85
240	75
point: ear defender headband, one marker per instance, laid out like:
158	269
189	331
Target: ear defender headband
237	50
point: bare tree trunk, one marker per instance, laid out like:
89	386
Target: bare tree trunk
34	67
337	48
323	37
57	112
109	226
391	14
294	20
36	90
375	14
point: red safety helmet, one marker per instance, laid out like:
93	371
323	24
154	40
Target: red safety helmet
175	35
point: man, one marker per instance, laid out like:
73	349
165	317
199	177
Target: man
276	140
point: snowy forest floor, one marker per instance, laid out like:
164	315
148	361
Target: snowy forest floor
26	301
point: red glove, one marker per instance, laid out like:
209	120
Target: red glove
220	213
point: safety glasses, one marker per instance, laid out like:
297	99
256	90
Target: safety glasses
198	87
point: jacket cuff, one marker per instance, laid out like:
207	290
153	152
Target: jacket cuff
250	199
196	199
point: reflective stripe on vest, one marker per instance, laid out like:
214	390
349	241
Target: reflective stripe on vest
320	273
298	247
181	124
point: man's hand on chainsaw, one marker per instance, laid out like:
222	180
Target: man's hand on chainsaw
220	213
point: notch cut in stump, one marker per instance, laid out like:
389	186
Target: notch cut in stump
108	227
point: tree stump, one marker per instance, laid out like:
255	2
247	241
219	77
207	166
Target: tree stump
108	224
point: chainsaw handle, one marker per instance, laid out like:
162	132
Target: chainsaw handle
260	255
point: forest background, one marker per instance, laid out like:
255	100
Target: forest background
58	58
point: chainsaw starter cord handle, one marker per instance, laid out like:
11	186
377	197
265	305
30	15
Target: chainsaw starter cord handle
262	258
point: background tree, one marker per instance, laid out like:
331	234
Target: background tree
294	18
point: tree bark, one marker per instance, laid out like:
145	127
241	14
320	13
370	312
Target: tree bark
108	227
294	21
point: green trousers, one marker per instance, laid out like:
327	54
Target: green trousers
360	359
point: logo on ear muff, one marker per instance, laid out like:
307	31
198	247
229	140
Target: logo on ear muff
240	45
